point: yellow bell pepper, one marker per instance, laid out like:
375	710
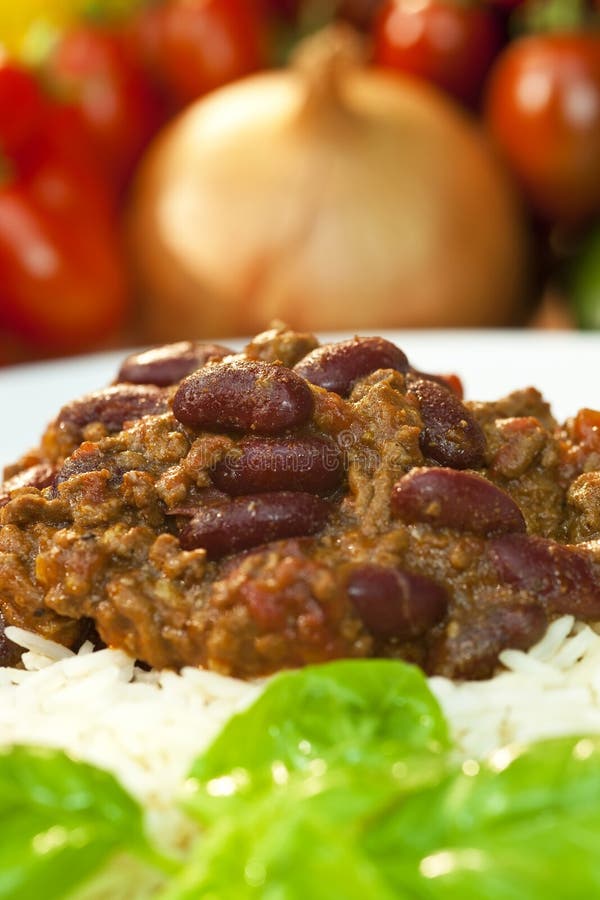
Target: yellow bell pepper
23	24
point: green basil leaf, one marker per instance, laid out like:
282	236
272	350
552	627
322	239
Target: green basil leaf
292	844
342	713
523	826
289	786
61	821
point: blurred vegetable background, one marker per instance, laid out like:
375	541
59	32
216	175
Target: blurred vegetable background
195	168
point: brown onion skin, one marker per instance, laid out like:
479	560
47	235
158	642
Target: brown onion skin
424	169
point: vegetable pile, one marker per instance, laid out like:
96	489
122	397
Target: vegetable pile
338	774
441	173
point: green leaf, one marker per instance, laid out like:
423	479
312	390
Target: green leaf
524	826
289	784
61	821
292	844
339	714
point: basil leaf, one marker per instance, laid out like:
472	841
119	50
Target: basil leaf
61	821
290	785
345	713
524	826
292	844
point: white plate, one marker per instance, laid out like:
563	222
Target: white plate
564	366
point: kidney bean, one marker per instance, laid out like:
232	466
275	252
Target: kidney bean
562	578
469	647
256	465
451	436
245	522
244	395
113	406
460	500
395	604
167	365
39	476
336	367
452	382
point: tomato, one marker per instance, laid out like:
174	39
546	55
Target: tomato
62	285
71	188
60	158
199	45
143	33
543	109
7	354
21	105
31	120
94	68
447	43
62	277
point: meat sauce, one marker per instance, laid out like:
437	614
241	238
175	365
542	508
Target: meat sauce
295	503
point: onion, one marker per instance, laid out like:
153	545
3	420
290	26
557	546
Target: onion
330	195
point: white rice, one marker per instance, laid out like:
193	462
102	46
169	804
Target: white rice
147	727
553	689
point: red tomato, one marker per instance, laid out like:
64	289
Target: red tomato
199	45
67	190
12	350
6	357
447	43
21	105
62	282
143	33
543	109
60	159
94	68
